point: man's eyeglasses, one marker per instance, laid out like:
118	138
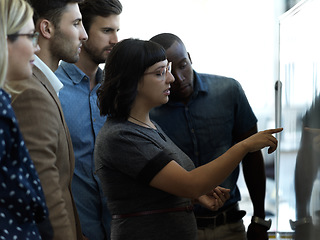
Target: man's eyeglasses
162	71
32	36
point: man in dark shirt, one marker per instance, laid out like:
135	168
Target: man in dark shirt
205	116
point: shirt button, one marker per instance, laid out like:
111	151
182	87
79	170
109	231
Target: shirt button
94	119
192	130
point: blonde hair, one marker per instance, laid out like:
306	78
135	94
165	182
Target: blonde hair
13	16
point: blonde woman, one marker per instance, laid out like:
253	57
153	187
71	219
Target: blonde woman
22	202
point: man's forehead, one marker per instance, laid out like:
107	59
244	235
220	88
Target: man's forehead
72	11
177	53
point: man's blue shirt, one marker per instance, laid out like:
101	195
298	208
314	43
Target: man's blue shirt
218	112
82	115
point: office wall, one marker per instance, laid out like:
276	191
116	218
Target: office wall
232	38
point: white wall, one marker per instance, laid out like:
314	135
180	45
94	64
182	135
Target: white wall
227	37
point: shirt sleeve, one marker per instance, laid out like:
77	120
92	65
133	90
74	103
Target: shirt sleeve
245	119
138	155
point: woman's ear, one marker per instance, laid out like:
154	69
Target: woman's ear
9	45
46	28
139	86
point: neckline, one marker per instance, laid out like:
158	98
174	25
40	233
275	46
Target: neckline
143	123
150	127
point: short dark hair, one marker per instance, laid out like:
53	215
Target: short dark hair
124	68
50	9
166	40
103	8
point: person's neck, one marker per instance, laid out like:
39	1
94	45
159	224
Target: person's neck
141	117
90	68
47	58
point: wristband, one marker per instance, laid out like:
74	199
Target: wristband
300	221
262	222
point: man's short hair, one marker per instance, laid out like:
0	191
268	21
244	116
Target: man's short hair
104	8
50	9
166	40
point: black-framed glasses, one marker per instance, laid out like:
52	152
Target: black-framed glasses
162	71
32	36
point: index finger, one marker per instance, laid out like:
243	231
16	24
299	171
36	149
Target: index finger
274	130
222	189
222	192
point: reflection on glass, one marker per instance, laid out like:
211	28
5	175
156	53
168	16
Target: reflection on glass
299	158
307	181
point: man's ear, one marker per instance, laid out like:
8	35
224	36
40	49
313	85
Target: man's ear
189	57
46	28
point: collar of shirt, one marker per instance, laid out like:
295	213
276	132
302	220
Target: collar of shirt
55	82
199	86
76	75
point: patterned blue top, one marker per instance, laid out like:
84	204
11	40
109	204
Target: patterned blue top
217	113
82	115
22	202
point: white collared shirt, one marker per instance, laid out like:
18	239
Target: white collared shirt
55	82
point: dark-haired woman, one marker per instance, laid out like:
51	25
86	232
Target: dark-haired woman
149	182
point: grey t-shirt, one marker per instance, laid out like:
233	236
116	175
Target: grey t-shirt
127	157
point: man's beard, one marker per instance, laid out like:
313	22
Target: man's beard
96	56
62	48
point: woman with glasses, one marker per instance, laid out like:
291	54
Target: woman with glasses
22	202
149	182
